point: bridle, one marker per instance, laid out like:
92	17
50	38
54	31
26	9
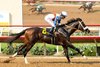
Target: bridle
79	24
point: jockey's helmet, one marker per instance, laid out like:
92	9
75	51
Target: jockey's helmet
64	13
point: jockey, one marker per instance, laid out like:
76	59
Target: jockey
38	5
88	3
55	19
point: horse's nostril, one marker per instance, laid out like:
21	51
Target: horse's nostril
88	31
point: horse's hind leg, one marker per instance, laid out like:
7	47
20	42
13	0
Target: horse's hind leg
19	50
26	51
13	56
29	46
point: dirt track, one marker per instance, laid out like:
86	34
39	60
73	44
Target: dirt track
52	62
73	12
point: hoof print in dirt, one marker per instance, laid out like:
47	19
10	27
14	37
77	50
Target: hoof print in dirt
6	61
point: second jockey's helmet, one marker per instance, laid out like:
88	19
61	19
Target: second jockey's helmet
64	13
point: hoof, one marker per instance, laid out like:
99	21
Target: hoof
85	57
27	63
71	63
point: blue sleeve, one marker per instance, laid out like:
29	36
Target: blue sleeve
57	20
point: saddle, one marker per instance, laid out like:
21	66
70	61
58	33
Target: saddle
53	35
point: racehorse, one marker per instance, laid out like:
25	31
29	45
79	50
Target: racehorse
87	6
38	8
37	34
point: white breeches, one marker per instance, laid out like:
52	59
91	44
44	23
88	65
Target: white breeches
49	21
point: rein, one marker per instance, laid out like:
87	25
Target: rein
80	24
70	27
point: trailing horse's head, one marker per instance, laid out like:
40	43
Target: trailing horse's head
82	26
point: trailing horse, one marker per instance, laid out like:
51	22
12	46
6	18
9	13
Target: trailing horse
62	37
87	6
38	8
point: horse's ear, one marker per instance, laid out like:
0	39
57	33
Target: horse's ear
70	21
78	19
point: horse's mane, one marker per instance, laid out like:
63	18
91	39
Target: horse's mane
73	20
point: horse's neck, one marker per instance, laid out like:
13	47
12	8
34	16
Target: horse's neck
71	31
68	31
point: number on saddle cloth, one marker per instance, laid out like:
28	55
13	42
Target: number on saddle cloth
44	31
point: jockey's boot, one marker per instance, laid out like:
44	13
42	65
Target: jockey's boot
51	31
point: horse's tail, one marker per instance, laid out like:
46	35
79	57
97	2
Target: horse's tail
16	36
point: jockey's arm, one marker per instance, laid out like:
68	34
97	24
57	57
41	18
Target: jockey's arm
59	22
55	21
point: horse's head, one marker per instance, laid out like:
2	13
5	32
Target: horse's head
82	26
78	24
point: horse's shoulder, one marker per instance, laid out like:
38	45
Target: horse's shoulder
58	34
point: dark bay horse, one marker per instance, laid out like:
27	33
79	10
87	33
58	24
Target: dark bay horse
62	37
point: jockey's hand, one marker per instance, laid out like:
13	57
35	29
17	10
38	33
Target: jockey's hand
60	25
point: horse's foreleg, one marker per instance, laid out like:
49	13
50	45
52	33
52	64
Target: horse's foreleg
32	10
80	7
89	10
77	49
84	9
66	53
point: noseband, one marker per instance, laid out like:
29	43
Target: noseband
80	24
